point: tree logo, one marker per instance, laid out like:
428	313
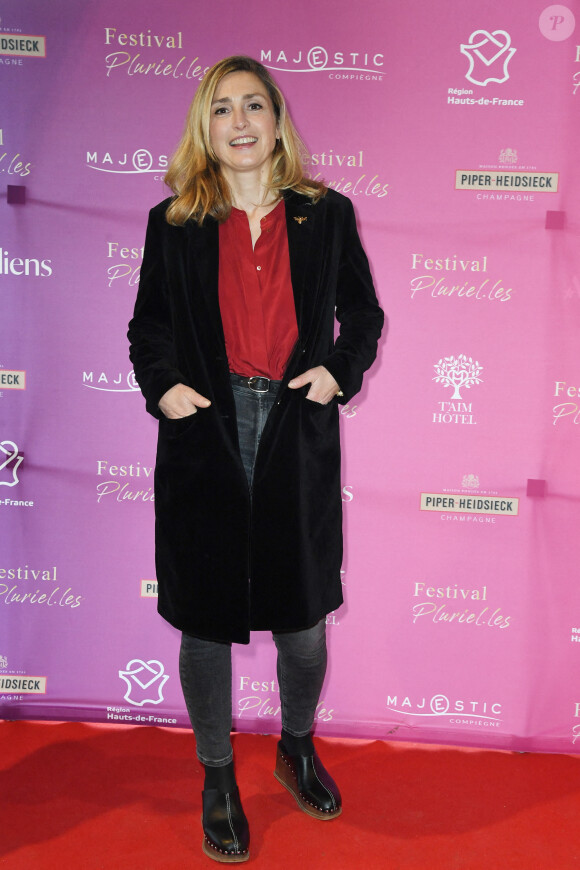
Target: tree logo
458	372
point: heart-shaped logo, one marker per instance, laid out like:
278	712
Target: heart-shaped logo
145	681
485	50
9	457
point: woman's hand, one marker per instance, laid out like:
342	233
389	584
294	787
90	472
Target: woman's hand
323	387
181	401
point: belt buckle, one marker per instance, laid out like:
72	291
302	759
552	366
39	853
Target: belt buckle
253	384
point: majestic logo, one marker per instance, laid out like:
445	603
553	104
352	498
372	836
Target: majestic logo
145	681
488	55
140	162
3	662
10	462
340	64
111	383
458	372
440	706
470	481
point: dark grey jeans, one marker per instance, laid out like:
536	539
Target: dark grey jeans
205	666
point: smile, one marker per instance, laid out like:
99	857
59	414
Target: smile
244	140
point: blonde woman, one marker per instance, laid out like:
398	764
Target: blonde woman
232	342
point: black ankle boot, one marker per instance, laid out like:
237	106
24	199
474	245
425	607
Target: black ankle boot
306	778
225	827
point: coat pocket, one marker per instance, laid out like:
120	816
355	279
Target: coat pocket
174	428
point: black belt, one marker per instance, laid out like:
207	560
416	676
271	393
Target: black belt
256	383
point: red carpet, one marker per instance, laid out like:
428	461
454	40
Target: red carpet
83	797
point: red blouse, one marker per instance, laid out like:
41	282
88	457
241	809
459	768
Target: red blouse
255	295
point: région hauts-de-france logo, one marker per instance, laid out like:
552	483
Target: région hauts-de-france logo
10	462
488	55
145	681
458	372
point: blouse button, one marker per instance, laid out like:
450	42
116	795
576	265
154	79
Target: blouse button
259	268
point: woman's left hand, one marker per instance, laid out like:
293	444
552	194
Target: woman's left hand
323	387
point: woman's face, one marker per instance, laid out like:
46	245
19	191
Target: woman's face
242	128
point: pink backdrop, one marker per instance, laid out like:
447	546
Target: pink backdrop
456	136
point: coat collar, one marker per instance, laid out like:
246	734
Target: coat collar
203	261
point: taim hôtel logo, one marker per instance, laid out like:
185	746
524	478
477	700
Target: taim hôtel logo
459	373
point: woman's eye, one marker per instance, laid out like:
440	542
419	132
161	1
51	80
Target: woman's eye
221	110
255	106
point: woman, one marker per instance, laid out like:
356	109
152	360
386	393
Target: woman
232	343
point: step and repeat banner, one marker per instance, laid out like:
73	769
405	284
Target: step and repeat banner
456	137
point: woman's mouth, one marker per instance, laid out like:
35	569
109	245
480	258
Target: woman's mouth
244	140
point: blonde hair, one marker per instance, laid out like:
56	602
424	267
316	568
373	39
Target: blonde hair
194	173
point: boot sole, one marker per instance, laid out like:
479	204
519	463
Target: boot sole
223	858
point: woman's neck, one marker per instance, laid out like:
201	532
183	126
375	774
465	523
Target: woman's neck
250	193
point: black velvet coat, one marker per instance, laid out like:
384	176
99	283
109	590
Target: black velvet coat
228	563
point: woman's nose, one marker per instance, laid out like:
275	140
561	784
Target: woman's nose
239	118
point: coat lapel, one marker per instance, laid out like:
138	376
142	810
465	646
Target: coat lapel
203	269
300	226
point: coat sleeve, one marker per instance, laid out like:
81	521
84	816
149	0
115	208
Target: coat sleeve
150	330
358	313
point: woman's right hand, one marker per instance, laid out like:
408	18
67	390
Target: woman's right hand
181	401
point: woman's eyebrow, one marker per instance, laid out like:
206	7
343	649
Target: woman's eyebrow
244	97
